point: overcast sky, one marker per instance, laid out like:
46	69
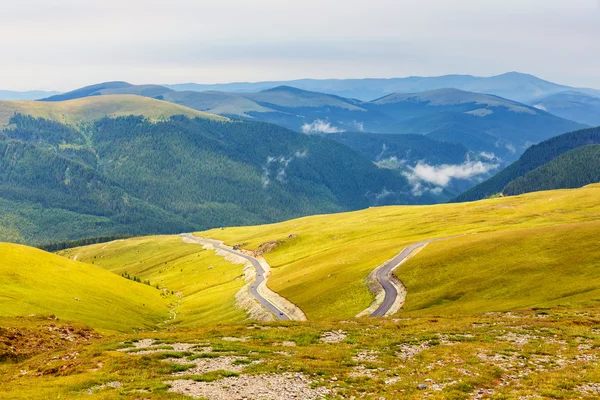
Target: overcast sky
64	44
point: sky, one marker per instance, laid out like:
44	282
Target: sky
65	44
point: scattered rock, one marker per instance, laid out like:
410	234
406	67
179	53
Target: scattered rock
204	365
333	336
235	339
113	385
256	387
421	386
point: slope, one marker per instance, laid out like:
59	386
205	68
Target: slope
36	282
507	270
131	175
575	168
205	283
533	158
47	196
479	121
572	105
88	109
321	262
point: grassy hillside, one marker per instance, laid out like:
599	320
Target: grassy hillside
575	168
534	157
506	270
88	109
322	267
36	282
204	282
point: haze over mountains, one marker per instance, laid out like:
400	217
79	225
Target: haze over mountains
513	85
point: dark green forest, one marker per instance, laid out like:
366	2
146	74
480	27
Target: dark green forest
130	176
573	169
533	158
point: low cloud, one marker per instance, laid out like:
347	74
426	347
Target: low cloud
320	126
442	175
359	125
277	167
489	156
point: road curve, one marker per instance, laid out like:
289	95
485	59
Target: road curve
260	274
383	277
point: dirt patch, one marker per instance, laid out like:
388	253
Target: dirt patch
204	365
235	339
258	387
333	336
113	385
19	343
408	351
266	248
366	356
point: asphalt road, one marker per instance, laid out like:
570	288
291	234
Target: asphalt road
260	275
383	277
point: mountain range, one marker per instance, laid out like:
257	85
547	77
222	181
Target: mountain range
573	105
513	85
481	122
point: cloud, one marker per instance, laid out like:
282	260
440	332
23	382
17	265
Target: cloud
442	175
320	126
301	154
489	156
277	166
359	125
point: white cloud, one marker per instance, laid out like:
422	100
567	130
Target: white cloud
278	167
489	156
320	126
301	154
442	175
359	125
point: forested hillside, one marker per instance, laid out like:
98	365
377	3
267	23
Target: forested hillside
534	157
129	175
573	169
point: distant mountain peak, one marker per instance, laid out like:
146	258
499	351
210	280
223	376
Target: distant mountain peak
286	88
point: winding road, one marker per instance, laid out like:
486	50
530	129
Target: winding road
260	274
383	276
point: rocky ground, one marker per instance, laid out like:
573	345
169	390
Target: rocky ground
549	354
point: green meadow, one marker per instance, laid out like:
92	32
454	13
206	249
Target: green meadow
322	261
36	282
203	283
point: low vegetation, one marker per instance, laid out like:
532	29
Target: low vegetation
550	354
204	284
322	261
553	266
36	282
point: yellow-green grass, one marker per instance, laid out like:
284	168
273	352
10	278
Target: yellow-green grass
323	267
506	270
37	282
205	282
550	355
92	108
